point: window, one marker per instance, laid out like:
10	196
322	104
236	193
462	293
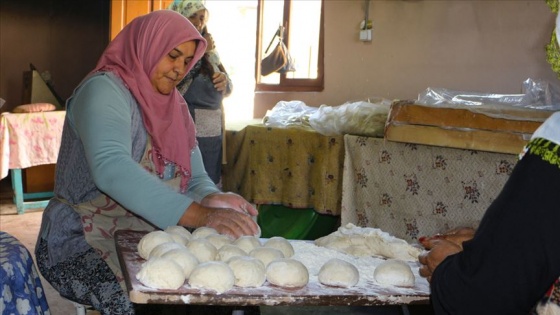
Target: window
302	21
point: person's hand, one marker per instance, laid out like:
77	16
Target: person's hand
227	221
457	236
210	45
229	200
439	249
220	81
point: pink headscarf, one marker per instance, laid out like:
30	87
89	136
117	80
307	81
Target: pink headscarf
132	56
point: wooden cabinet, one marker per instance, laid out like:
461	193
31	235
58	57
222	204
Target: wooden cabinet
124	11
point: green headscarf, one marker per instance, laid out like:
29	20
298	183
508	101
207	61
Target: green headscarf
187	7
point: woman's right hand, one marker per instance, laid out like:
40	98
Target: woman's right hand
224	220
456	236
210	45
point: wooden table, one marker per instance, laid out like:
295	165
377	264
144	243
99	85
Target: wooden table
314	294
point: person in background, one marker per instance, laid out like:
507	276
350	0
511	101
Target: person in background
129	160
204	88
511	263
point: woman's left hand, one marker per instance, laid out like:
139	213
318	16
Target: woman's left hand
220	81
439	249
229	200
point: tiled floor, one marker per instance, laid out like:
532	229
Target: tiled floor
26	226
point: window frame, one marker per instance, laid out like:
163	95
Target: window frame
287	84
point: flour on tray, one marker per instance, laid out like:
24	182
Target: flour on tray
314	257
359	241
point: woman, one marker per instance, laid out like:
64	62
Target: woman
204	88
129	160
511	263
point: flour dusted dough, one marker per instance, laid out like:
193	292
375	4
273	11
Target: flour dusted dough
288	273
202	249
359	241
162	248
248	271
161	273
178	230
151	240
179	233
339	273
203	232
394	272
228	251
247	243
281	244
184	258
219	240
266	254
212	275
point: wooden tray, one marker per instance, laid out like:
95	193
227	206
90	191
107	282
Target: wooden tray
313	294
462	128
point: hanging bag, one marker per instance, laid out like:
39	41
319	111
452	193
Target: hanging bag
275	61
279	59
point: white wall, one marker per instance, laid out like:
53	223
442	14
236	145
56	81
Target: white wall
486	46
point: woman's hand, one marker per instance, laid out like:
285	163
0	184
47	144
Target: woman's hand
210	45
439	249
229	200
440	246
220	81
457	236
225	220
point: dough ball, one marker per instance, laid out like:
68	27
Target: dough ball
178	230
228	251
248	271
281	244
247	243
161	249
151	240
339	273
202	249
219	240
203	232
212	275
288	273
259	232
161	273
266	254
179	239
394	272
184	258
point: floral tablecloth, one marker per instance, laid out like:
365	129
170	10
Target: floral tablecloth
294	167
29	139
21	291
410	190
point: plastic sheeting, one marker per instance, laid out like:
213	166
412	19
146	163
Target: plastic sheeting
537	95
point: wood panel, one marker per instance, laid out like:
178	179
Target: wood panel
124	11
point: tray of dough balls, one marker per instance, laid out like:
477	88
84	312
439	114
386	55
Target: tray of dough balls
353	265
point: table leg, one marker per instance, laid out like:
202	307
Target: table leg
20	196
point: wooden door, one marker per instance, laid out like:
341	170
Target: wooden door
124	11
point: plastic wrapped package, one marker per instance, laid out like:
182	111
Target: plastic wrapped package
289	114
362	118
537	95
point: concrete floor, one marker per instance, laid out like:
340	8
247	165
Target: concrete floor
26	226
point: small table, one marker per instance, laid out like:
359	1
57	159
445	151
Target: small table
314	294
29	139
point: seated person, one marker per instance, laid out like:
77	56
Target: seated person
512	260
129	160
